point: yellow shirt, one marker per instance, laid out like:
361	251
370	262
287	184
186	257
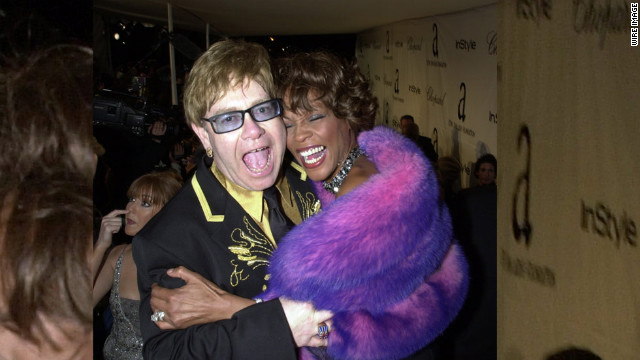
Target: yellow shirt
253	203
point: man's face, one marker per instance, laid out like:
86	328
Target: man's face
250	156
486	174
404	125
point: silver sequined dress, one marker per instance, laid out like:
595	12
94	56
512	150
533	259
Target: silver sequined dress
125	341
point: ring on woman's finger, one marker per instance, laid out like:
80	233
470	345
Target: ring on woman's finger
158	316
323	330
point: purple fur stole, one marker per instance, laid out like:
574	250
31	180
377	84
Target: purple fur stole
381	257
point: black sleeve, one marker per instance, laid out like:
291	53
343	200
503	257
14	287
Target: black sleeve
258	332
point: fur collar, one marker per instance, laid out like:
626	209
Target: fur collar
372	249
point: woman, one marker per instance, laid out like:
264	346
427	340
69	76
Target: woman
147	195
380	255
46	167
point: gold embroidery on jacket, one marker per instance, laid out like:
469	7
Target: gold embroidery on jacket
252	249
310	204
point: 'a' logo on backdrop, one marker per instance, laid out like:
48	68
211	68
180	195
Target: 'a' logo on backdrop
462	102
387	46
522	230
434	139
386	113
396	86
434	45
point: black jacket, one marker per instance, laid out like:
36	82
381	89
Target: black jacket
204	229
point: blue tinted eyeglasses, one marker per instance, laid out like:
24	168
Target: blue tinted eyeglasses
233	120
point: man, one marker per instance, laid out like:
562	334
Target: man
411	130
219	226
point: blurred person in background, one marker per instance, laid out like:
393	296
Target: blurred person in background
46	168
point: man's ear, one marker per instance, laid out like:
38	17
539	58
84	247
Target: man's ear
202	134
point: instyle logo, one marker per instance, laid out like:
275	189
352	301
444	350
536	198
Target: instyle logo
462	102
468	45
493	118
415	89
601	220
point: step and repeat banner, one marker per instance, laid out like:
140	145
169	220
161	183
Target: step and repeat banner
569	189
442	70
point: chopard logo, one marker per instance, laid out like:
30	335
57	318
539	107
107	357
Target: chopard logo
434	98
413	45
601	19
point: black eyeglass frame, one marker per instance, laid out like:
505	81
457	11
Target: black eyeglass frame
211	120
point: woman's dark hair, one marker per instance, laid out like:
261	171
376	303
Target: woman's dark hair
323	76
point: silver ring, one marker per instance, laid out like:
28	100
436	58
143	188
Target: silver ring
158	316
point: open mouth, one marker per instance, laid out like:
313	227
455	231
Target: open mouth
313	155
258	160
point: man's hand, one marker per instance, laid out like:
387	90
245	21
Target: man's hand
199	301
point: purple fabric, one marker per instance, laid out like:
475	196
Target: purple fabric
382	257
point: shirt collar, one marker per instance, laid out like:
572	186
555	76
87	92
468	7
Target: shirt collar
250	200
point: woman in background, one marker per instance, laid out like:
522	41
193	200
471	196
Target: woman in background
118	273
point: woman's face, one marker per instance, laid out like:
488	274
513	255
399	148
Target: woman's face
318	139
140	212
486	174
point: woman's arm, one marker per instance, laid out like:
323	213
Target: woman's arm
104	281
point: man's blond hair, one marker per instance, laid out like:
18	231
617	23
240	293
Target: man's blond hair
225	65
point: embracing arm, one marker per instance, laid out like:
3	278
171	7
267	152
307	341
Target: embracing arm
199	301
258	329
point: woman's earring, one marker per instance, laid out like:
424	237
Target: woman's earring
209	152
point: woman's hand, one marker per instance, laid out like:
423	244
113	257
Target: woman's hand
303	320
111	224
199	301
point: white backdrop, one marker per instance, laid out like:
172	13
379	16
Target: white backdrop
569	93
442	70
